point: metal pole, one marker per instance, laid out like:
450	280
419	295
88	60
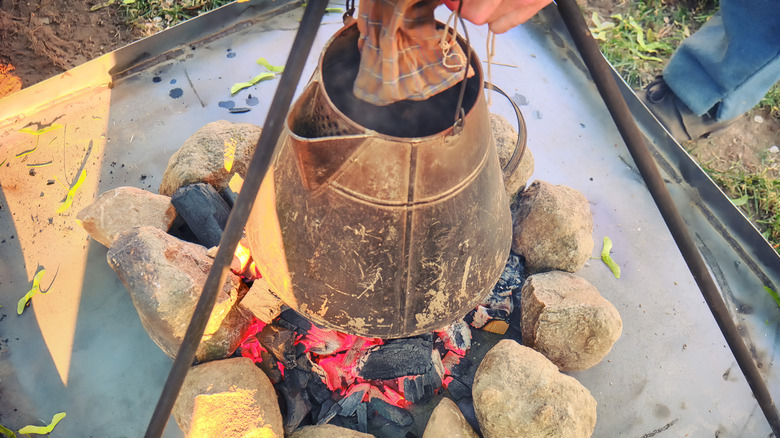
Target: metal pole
234	229
602	76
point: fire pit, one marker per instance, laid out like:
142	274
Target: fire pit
80	348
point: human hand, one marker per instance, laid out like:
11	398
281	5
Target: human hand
501	15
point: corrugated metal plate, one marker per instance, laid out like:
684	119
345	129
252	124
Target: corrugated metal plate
81	348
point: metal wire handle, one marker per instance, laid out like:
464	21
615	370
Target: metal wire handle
459	112
520	144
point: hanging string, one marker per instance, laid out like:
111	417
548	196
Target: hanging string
447	41
490	48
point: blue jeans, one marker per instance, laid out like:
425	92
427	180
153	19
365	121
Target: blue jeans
733	60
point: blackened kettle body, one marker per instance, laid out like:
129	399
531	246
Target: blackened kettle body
365	226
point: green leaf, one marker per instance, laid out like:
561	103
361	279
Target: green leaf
595	18
241	85
72	192
43	430
7	432
648	58
275	68
101	6
773	294
741	200
48	163
607	259
36	287
40	131
21	154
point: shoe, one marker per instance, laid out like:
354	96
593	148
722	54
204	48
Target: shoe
677	118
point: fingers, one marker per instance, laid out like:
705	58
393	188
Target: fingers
479	11
501	15
507	21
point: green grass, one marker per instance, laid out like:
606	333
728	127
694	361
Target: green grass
772	101
639	41
758	196
165	12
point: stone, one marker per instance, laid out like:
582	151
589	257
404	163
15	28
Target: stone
553	228
519	393
228	398
567	320
124	208
262	302
328	431
505	137
165	278
212	155
448	422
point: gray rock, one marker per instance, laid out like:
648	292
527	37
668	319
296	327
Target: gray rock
165	277
124	208
448	422
202	157
228	398
567	320
553	228
505	136
520	393
328	431
262	302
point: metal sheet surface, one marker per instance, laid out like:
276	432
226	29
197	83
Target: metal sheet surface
80	348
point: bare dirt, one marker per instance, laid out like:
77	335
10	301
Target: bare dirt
42	38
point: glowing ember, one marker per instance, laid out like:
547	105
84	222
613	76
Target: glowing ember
250	346
337	354
335	357
241	259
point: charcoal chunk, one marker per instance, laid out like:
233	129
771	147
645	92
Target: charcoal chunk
298	377
204	211
229	196
466	406
319	391
414	390
362	416
270	367
279	341
294	321
329	410
350	404
394	414
458	389
298	405
397	358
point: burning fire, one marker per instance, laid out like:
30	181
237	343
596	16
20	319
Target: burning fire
335	357
243	265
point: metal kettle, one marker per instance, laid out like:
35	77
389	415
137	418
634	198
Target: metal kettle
381	221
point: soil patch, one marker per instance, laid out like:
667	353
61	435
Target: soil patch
42	38
745	146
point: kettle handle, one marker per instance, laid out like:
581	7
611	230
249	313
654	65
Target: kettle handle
520	146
